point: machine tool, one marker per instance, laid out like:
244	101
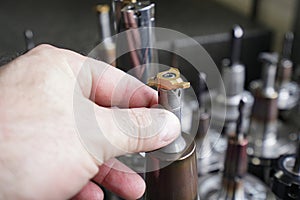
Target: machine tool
137	19
288	91
233	74
286	179
171	172
234	182
208	159
268	137
106	51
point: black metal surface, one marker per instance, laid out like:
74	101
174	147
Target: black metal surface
236	43
286	185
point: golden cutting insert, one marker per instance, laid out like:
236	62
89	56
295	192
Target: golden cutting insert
168	80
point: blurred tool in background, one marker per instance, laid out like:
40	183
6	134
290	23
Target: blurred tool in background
286	179
234	183
137	19
233	75
268	137
106	50
207	160
29	42
288	91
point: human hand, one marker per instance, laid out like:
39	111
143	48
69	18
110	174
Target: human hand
42	155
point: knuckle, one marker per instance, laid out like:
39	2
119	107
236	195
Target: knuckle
42	49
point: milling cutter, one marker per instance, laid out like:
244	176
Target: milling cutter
268	137
171	172
234	183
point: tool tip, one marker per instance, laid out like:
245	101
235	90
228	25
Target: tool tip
289	36
28	33
271	58
237	32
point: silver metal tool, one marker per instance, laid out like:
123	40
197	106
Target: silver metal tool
107	50
137	19
288	91
118	5
208	158
233	74
286	179
172	170
234	183
268	138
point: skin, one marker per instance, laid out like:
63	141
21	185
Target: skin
44	94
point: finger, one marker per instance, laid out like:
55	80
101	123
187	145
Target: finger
113	87
110	132
102	83
90	192
121	180
109	85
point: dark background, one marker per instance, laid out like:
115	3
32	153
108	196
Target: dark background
73	25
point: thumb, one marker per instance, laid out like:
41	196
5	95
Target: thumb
122	131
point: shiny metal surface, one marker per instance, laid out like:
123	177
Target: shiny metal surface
138	17
233	75
171	172
286	178
268	137
254	189
288	90
234	183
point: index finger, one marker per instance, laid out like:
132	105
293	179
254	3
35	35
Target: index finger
111	86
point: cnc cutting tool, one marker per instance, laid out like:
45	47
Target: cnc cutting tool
172	170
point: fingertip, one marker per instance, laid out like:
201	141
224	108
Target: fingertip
141	187
91	191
